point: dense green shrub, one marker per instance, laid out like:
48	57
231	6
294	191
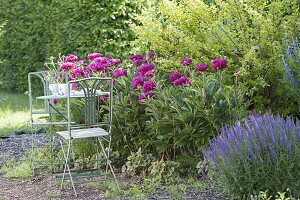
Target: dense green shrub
250	33
263	154
174	119
38	29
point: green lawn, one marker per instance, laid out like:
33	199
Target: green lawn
14	113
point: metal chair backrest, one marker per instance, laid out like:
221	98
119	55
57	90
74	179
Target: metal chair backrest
41	80
93	90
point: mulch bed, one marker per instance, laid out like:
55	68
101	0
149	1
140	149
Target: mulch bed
46	187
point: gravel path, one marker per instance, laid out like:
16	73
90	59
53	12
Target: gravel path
15	146
45	187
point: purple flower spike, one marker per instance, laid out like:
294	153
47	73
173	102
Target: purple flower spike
94	55
186	61
219	63
201	67
71	58
174	76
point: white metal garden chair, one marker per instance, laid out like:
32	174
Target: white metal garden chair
95	124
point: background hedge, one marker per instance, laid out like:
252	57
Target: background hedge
38	29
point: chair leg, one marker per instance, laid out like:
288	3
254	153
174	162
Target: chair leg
67	167
33	132
108	162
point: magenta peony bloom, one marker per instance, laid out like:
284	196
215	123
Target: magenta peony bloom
138	82
74	86
94	55
145	68
116	62
138	62
201	67
55	101
149	55
144	96
150	73
102	99
186	61
219	63
148	86
182	81
120	72
71	58
82	62
136	56
174	76
67	66
78	72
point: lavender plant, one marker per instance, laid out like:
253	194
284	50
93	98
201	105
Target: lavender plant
263	154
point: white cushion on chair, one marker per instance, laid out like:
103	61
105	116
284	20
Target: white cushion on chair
83	133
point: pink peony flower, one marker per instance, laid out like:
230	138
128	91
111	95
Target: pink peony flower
71	58
201	67
144	96
120	72
182	81
138	82
138	62
174	76
149	55
145	68
67	66
136	57
78	72
149	86
186	61
150	73
94	55
219	63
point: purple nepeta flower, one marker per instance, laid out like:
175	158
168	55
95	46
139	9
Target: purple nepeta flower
186	61
138	82
71	58
182	81
136	56
145	68
67	66
174	76
144	96
94	55
148	86
219	63
120	72
201	67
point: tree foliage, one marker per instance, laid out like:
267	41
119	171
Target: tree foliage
38	29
